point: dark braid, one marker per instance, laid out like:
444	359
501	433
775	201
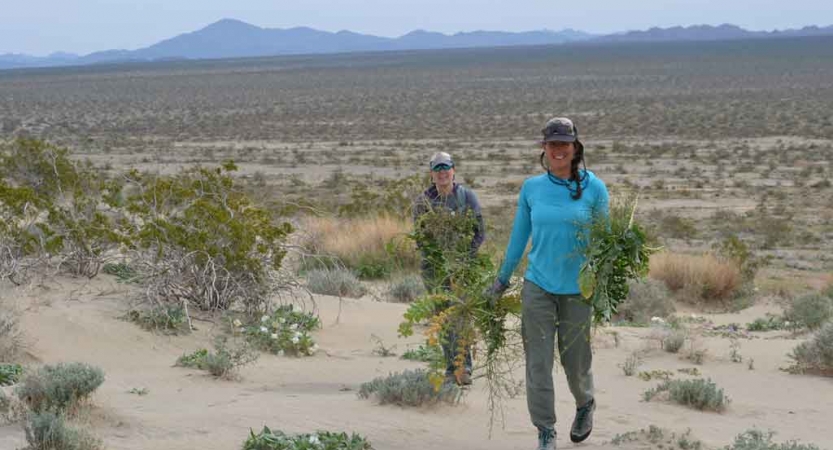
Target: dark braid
578	159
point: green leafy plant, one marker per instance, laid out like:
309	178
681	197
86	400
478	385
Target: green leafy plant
268	439
224	362
10	373
424	353
169	319
768	323
59	387
616	251
809	311
285	332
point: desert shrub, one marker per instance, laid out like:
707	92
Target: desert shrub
199	238
809	311
424	353
269	439
285	331
677	227
11	336
407	289
659	437
10	373
223	362
409	388
698	394
706	277
758	440
631	364
815	355
59	387
49	431
169	319
55	205
371	246
674	341
646	299
336	281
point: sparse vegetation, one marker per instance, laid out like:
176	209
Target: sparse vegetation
168	319
698	394
286	331
224	362
659	438
11	336
631	364
759	440
409	388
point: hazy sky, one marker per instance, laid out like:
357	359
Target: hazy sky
40	27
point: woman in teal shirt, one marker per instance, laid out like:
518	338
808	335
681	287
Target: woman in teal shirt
554	209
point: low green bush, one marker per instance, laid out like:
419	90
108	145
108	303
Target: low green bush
10	374
407	289
409	388
698	394
337	282
49	431
59	387
816	354
758	440
809	311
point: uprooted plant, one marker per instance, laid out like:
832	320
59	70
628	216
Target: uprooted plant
458	304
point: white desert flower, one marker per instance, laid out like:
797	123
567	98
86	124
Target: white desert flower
264	318
656	319
237	323
296	339
274	335
314	440
264	329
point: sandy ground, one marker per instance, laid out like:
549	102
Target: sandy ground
186	409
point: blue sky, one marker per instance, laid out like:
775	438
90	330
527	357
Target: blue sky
40	27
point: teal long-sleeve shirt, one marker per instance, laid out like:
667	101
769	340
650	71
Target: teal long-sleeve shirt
547	212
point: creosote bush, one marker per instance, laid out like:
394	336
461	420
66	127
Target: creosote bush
269	439
409	388
336	281
201	239
60	387
698	394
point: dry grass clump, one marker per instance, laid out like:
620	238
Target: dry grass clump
11	336
703	278
373	246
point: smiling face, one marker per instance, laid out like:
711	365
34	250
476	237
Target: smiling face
443	176
560	157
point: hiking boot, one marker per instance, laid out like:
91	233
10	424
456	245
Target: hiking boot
583	423
546	439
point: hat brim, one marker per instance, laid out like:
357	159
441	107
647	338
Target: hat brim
559	138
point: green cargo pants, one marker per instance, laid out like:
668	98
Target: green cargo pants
543	316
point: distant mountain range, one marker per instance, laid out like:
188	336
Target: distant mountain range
229	38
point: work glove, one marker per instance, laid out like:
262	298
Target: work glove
496	291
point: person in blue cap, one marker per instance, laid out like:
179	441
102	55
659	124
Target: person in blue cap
554	209
448	195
